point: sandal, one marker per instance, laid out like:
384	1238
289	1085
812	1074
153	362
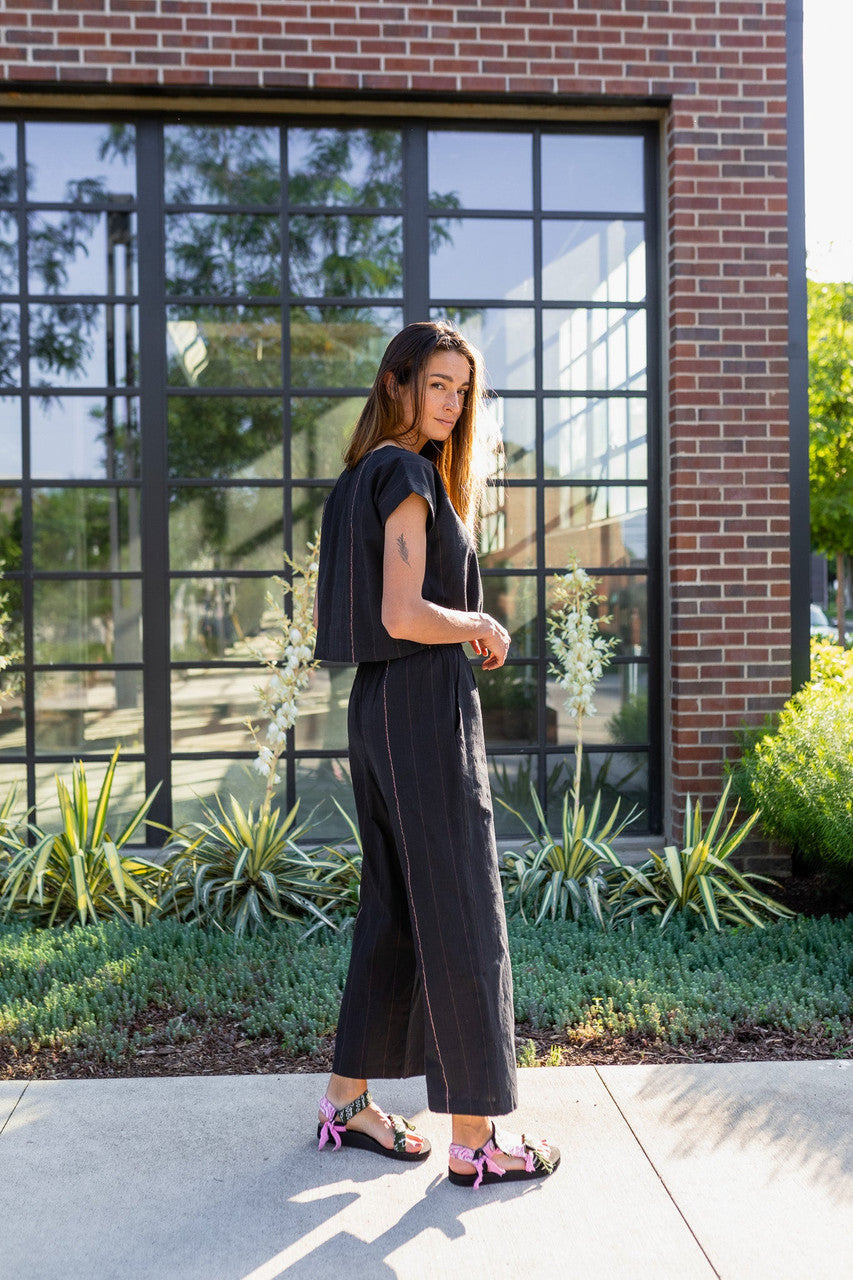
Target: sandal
335	1127
540	1160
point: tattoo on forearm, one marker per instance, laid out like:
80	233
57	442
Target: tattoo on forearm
403	549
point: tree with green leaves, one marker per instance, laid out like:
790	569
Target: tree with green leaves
831	425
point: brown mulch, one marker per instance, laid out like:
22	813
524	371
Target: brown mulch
222	1048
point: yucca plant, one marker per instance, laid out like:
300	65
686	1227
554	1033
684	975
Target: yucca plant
697	878
78	874
240	870
349	878
554	876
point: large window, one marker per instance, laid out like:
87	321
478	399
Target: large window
190	318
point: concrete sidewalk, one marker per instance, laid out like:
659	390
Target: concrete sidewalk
742	1171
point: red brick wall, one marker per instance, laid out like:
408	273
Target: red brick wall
722	64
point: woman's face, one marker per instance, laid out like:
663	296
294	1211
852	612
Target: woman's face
446	380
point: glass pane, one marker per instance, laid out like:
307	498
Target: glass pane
345	167
127	794
223	254
481	258
600	439
10	347
8	245
219	617
480	170
511	778
513	423
209	709
84	437
512	600
88	711
14	776
345	256
339	346
508	534
322	721
13	734
10	530
80	162
592	172
213	346
509	698
595	261
587	350
87	621
626	604
213	528
506	339
10	438
8	162
605	526
320	430
222	164
197	782
86	529
307	515
621	702
225	438
622	776
82	252
83	344
318	784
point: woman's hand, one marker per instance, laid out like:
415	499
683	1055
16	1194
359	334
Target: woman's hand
493	643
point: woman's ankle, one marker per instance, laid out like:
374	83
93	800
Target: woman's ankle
471	1131
342	1090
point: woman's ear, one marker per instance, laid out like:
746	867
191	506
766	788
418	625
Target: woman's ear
390	383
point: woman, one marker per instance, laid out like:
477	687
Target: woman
429	988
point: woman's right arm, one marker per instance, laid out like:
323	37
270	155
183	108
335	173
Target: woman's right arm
405	613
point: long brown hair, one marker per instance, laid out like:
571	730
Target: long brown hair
406	357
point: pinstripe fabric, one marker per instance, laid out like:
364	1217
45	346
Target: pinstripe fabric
429	988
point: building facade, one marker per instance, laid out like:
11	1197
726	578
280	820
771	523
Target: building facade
212	218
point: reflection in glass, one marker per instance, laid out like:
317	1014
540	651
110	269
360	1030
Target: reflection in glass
345	256
214	618
509	700
481	258
223	254
8	245
592	172
345	167
593	261
605	526
84	437
511	599
83	252
506	339
10	347
590	350
222	164
86	529
126	794
513	423
10	438
11	552
8	161
225	528
320	783
83	344
621	709
615	775
511	779
625	603
508	532
597	439
13	733
339	346
88	711
80	162
307	515
88	620
224	346
320	430
209	710
322	721
480	170
225	437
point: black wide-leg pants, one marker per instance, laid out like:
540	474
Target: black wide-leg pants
429	988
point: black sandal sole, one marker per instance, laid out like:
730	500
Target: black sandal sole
511	1175
364	1142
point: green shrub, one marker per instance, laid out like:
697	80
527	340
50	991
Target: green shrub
800	776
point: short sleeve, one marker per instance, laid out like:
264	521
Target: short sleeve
402	475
